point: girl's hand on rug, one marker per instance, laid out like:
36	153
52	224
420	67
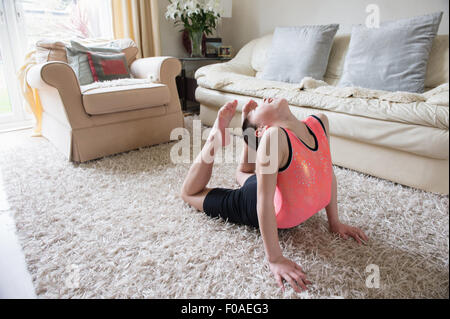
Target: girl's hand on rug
283	268
345	231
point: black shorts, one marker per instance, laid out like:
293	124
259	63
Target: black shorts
235	205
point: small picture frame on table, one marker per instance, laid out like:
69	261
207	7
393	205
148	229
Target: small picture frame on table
225	51
212	47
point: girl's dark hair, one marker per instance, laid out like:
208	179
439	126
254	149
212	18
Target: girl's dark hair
249	134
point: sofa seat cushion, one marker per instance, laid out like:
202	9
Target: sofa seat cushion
130	97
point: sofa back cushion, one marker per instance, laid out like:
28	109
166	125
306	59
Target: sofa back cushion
336	60
49	50
261	52
437	67
299	52
393	57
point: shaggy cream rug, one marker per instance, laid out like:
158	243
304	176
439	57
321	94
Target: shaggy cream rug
116	228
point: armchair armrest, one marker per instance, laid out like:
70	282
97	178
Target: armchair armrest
34	78
59	91
161	69
54	74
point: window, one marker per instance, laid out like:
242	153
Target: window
23	23
66	19
5	105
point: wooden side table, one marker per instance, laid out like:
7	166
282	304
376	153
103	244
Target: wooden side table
187	86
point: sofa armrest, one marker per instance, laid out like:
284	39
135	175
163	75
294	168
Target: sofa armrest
160	69
240	64
228	67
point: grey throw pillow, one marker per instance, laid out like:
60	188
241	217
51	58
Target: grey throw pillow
78	59
298	52
392	57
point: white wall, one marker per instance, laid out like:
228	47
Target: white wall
254	18
170	37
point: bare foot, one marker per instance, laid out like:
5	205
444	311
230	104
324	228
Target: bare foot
224	117
251	105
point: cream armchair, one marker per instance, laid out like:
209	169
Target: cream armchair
108	120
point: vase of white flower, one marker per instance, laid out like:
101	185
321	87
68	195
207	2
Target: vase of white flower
196	38
197	17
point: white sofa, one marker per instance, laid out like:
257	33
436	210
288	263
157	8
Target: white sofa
396	136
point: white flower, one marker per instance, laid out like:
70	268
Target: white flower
173	10
170	13
192	7
214	7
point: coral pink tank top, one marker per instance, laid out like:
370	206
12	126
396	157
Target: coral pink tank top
304	185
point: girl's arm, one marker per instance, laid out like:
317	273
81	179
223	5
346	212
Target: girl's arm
267	171
334	223
332	207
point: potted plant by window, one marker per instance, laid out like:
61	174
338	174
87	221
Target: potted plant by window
197	17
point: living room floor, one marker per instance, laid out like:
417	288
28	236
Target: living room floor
120	222
15	280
